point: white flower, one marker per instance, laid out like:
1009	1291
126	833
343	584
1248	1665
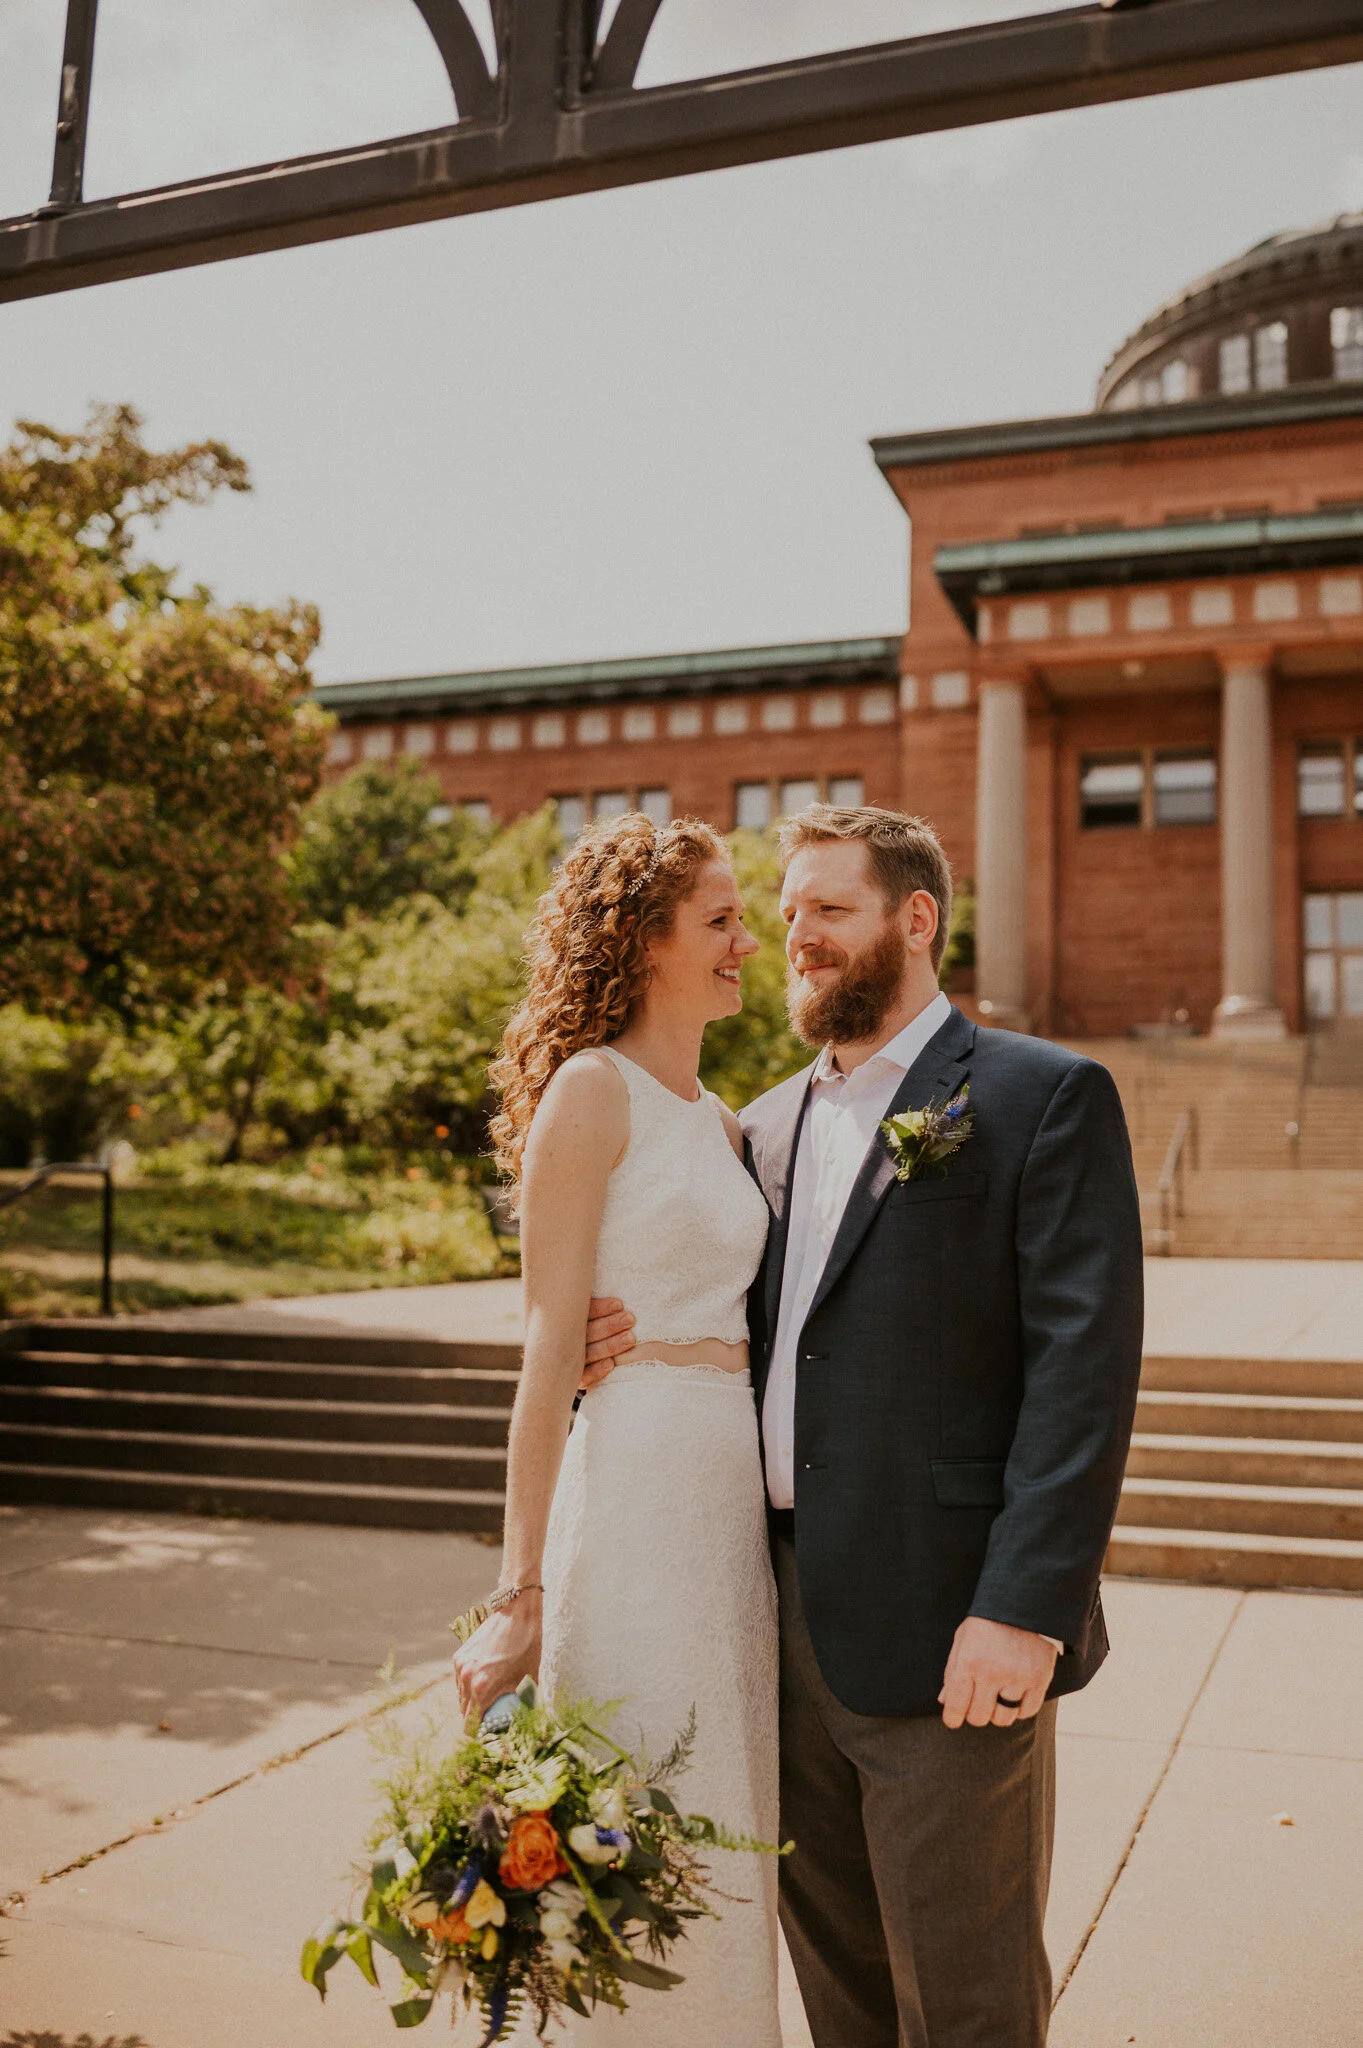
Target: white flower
557	1926
562	1896
563	1955
607	1805
585	1842
404	1862
422	1909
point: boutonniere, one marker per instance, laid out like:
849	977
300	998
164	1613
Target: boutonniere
920	1138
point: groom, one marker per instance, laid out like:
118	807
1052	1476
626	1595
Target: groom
946	1370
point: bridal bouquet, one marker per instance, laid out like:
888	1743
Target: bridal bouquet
538	1866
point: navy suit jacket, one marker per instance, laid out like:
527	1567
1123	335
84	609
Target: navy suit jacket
967	1373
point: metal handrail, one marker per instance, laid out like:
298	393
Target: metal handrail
1170	1183
45	1173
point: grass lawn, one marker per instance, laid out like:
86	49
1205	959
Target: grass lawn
225	1234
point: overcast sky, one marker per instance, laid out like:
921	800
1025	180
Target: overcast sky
634	422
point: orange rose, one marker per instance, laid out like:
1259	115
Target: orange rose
532	1857
451	1927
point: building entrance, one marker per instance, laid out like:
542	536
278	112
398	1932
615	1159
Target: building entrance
1334	959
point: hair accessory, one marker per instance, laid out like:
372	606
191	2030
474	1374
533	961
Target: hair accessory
642	881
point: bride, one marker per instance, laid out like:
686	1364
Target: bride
636	1564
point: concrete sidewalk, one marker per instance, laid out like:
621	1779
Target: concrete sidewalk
1210	1308
183	1750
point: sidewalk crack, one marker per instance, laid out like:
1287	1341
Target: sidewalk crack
1151	1797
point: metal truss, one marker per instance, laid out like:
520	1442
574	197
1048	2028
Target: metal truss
561	114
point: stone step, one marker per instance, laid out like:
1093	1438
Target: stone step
1328	1378
474	1510
142	1337
96	1410
1330	1511
1245	1461
484	1387
479	1466
1209	1557
1319	1418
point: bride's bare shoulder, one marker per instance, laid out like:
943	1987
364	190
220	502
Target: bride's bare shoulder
586	1100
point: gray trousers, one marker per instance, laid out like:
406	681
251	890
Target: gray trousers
914	1899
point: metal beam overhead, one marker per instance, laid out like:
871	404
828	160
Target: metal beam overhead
561	115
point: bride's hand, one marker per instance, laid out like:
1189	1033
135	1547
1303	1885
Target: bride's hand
610	1330
500	1654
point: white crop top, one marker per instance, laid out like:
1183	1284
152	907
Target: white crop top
684	1225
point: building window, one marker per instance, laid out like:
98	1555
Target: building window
1275	601
377	746
1334	955
778	714
846	791
1341	597
949	690
1089	615
1030	621
550	729
504	735
752	806
1177	382
610	803
593	728
640	722
339	748
683	722
1185	789
1150	612
572	816
1346	339
1270	356
1320	781
731	718
877	707
440	814
657	805
461	738
1111	790
1213	605
419	740
798	795
827	711
1234	363
477	809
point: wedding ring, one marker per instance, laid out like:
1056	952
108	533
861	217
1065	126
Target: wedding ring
1002	1702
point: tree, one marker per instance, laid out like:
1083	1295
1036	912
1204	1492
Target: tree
155	748
379	836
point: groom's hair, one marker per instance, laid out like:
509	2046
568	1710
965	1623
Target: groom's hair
905	853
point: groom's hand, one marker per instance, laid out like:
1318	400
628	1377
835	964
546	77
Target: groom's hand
610	1331
989	1663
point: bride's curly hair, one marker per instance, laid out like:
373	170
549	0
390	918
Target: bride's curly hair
618	889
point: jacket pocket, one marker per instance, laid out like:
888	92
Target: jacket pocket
947	1187
968	1482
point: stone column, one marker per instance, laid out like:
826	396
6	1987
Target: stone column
1248	1006
1001	856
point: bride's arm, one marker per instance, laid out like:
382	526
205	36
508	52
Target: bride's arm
580	1131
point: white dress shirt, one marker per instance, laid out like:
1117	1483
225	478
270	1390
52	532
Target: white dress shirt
844	1113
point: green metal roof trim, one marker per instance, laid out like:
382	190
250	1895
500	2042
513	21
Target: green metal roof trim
1147	554
1297	404
730	668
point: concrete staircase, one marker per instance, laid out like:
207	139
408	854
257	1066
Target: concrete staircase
1245	1472
1276	1166
396	1432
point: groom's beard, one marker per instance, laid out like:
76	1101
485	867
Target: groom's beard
851	1009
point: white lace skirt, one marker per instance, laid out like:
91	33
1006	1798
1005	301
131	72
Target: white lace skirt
659	1592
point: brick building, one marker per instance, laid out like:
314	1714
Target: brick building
1130	695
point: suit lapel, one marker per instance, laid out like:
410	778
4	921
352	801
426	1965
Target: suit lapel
935	1074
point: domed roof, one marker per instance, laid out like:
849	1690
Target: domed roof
1294	280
